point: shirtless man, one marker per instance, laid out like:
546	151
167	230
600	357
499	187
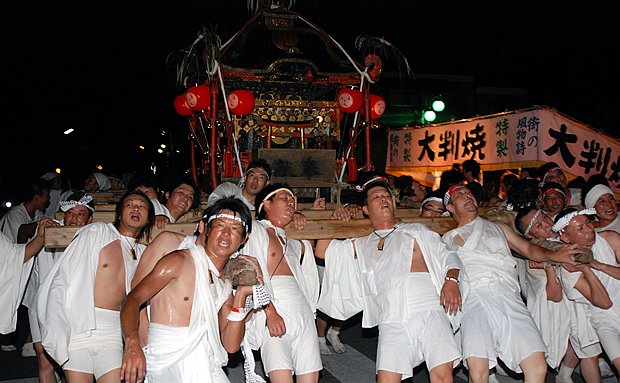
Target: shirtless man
602	199
568	342
574	226
484	248
190	301
289	343
79	301
407	274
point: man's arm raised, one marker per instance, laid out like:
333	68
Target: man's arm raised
166	269
535	252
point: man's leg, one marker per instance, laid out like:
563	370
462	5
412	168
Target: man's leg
478	369
441	373
388	377
46	369
534	368
616	363
110	377
281	376
311	377
590	370
79	377
321	327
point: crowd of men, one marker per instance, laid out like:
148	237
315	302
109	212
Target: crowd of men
110	308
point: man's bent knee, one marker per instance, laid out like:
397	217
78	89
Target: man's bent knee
442	373
384	376
478	369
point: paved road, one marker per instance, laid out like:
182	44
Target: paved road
357	365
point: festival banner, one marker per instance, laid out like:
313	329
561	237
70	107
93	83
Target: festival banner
505	141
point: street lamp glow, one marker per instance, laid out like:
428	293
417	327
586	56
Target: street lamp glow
141	147
163	146
160	151
430	116
438	106
68	131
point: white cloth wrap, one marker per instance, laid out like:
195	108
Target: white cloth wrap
550	318
305	272
601	319
159	208
492	273
595	193
103	181
228	189
376	281
575	197
614	226
14	218
13	278
66	297
201	340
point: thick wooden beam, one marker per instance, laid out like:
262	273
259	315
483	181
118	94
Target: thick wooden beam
58	237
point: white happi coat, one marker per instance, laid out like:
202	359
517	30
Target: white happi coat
556	320
614	226
17	216
486	257
66	297
304	270
13	277
605	254
228	189
204	334
375	282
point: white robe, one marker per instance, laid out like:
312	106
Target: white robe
66	297
304	270
228	189
376	281
614	225
17	216
203	337
13	277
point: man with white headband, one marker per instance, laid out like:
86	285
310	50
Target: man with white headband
603	200
78	210
400	276
551	172
195	320
284	331
554	198
78	302
432	206
571	341
574	226
495	323
97	182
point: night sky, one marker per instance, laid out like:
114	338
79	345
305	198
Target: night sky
99	67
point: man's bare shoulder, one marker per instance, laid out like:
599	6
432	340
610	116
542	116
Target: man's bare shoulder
164	243
612	237
176	260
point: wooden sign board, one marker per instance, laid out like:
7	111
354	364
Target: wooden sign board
301	167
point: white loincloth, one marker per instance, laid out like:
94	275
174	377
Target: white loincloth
614	225
551	319
66	297
13	278
99	351
14	218
606	322
195	353
298	349
495	321
376	283
426	336
304	270
228	189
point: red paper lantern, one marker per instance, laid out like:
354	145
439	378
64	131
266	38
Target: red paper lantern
180	105
377	107
241	102
350	100
198	97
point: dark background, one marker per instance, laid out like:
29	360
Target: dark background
99	67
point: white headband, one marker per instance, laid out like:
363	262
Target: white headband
259	169
529	227
564	221
49	176
554	189
453	188
374	179
595	193
103	181
542	183
229	216
274	193
66	205
429	199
